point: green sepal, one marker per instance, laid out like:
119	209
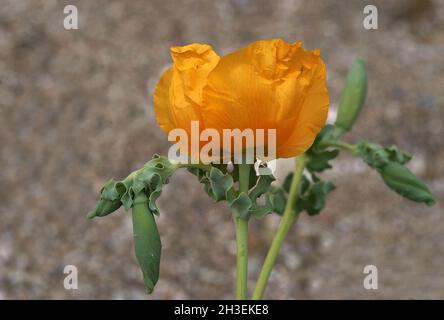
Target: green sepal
404	182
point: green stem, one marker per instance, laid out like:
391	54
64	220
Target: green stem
242	257
339	144
289	217
241	225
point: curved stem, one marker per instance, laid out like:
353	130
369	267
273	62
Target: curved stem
339	144
289	217
242	238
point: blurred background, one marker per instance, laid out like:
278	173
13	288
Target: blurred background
76	110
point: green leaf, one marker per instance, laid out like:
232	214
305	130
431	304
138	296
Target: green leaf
149	179
404	182
318	162
312	199
377	156
261	187
287	182
241	205
147	243
319	157
353	95
203	178
220	184
217	183
278	199
260	211
304	185
328	132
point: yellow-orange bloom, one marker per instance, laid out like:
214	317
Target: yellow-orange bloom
270	84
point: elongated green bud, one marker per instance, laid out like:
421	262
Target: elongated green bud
104	207
403	181
353	96
146	241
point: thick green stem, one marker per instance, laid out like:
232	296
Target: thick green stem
289	217
242	238
242	257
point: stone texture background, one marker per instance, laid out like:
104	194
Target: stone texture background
76	109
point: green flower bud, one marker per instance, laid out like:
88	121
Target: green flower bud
353	96
403	181
104	207
147	243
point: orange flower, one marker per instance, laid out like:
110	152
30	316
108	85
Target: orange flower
270	84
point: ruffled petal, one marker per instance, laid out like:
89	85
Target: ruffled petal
179	91
162	105
267	85
312	115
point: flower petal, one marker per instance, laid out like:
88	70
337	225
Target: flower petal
312	115
178	95
269	85
162	105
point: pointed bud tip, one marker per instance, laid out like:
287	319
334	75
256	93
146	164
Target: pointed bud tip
430	202
359	60
91	215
